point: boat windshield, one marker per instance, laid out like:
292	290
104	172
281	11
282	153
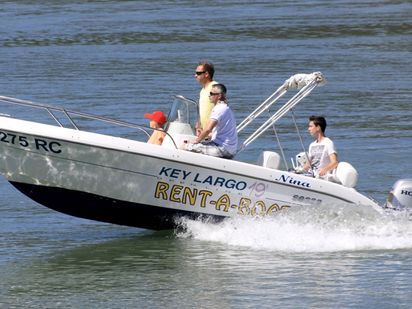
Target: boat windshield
183	110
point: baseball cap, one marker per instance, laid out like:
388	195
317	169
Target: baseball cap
157	116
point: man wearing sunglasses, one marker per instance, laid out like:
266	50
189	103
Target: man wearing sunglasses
222	126
204	75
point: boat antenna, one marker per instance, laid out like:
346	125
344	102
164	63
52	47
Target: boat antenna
300	137
280	147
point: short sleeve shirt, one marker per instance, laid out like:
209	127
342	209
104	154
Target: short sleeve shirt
319	152
224	133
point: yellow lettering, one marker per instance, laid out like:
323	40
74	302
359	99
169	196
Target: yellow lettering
176	189
262	206
204	194
224	200
189	195
272	209
243	207
161	190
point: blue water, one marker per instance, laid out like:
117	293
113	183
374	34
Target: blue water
124	58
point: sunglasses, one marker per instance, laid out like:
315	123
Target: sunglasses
213	93
200	73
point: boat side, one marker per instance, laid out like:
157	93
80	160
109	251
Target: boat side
128	182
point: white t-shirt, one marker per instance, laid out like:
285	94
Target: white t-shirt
224	133
319	153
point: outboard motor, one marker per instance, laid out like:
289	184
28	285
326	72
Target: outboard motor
400	197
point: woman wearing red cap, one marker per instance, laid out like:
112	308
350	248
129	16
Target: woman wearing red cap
157	121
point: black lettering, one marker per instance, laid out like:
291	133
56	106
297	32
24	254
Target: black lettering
54	147
241	185
405	192
3	137
175	173
219	181
283	178
41	144
164	171
13	137
230	184
23	141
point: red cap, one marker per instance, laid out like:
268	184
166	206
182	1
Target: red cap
157	116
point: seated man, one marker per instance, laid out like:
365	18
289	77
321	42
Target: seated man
323	158
157	121
221	126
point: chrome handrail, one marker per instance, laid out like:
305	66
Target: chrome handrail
68	113
51	108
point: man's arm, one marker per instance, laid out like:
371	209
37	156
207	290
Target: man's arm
206	131
198	129
331	166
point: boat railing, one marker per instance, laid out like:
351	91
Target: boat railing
53	110
305	82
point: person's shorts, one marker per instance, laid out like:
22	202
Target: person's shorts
210	148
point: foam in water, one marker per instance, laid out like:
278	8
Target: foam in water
316	229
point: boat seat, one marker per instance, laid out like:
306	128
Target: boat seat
345	174
269	159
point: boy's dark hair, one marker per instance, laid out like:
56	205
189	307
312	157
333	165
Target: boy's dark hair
319	121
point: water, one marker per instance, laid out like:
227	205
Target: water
125	58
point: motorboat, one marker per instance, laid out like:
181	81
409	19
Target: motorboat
84	165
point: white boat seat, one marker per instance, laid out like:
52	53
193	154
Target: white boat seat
345	174
269	159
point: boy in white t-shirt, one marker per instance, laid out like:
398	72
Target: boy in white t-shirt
323	157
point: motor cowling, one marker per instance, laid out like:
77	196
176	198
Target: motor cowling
400	197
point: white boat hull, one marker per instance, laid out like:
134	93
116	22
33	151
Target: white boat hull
127	182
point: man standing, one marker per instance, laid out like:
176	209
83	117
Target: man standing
222	126
204	75
323	157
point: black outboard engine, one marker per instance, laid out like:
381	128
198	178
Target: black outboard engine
400	197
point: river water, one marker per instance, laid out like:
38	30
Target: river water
125	58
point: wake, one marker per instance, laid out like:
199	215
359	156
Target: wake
317	229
